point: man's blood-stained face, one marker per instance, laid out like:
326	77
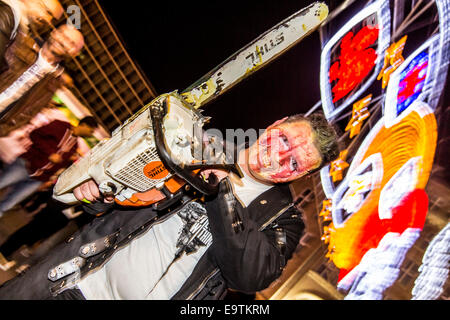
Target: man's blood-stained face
285	151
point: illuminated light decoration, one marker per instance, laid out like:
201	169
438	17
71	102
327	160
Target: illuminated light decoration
413	81
444	52
415	135
354	190
358	56
392	60
402	183
326	234
433	272
419	119
325	213
417	79
355	62
326	238
380	267
359	114
327	185
355	196
338	166
410	213
329	254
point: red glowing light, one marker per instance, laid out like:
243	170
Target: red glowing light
410	213
411	81
355	62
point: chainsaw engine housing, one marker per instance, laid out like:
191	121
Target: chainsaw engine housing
129	162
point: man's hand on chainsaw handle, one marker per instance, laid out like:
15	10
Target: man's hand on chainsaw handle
89	191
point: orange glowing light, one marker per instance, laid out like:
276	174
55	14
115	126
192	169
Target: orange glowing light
359	114
392	60
338	166
414	136
326	210
327	234
329	254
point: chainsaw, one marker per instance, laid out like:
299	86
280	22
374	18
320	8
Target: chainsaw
157	154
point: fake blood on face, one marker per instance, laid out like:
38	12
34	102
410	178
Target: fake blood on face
284	152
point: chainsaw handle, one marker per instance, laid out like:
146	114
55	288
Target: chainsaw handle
67	198
183	170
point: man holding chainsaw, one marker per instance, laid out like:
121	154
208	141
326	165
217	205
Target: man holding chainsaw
239	239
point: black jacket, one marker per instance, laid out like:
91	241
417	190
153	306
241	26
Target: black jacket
247	260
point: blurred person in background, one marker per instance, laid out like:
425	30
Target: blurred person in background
19	18
54	147
23	95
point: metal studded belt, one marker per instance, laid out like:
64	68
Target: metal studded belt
73	266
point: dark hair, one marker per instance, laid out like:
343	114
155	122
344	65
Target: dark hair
326	135
90	121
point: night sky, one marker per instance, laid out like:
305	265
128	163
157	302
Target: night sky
176	43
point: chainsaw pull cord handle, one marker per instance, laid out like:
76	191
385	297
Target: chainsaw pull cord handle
183	170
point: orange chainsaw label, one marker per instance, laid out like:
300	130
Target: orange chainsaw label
155	170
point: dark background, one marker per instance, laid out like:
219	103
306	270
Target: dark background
176	43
